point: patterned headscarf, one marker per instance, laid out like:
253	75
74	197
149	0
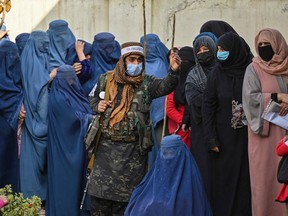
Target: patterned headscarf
279	62
119	76
198	75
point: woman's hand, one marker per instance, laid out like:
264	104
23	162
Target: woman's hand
22	113
53	74
175	62
284	109
77	67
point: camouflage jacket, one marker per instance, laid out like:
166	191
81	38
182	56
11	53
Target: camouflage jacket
121	155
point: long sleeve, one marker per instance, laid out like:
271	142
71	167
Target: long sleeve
160	87
86	71
253	101
257	89
186	116
209	110
194	98
172	112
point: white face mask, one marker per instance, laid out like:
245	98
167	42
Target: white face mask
134	69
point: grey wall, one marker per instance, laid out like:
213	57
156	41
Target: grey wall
124	18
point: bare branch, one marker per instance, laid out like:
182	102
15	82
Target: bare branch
144	20
173	30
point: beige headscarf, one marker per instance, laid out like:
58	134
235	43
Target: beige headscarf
278	65
129	84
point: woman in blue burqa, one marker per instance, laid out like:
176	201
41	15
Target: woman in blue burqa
21	40
172	187
11	97
105	54
69	115
156	64
62	44
33	149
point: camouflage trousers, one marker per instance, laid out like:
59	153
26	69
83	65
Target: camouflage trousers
104	207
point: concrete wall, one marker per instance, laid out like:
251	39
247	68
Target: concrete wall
124	18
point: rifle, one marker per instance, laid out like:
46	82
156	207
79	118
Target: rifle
96	124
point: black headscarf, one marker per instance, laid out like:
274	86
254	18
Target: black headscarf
188	61
217	27
238	58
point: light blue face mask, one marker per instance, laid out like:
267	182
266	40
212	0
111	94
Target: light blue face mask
134	69
222	56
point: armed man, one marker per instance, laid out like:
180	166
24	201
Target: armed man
125	140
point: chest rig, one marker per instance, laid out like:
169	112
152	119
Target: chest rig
136	125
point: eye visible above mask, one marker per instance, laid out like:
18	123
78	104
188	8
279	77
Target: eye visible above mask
266	52
222	56
134	69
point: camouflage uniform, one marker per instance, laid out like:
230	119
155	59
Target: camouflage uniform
121	156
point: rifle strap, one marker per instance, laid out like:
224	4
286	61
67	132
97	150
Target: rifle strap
98	134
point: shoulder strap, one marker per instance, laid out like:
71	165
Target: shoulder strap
98	134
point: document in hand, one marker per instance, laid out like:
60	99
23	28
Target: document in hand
271	114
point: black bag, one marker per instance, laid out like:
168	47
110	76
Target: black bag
282	173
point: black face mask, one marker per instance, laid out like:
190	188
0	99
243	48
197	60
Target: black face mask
266	52
205	58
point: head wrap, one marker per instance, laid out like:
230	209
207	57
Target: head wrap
131	48
207	40
129	82
34	67
11	95
217	27
198	75
21	40
87	47
62	44
238	58
186	54
105	55
155	49
173	186
279	62
209	34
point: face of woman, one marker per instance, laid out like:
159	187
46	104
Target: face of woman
203	49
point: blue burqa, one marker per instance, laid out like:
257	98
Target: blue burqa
33	151
105	54
62	43
156	65
21	40
69	115
11	98
172	187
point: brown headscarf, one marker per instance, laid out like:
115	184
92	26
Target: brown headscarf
278	65
119	76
